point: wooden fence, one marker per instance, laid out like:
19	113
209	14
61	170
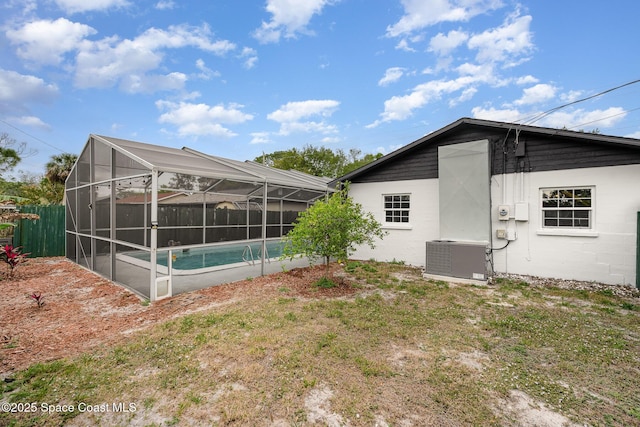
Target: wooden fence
44	237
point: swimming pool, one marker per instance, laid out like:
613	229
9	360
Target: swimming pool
197	260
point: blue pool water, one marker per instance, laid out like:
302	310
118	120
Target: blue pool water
197	258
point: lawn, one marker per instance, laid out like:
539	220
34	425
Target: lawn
390	349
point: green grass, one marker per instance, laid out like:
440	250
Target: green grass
393	352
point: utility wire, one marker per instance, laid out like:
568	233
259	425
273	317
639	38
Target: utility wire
603	118
546	113
31	136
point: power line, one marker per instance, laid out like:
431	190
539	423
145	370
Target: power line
31	136
546	113
604	118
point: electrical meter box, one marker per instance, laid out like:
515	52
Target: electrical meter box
504	212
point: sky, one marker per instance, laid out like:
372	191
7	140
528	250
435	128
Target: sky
240	78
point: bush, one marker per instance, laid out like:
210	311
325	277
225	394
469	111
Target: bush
332	228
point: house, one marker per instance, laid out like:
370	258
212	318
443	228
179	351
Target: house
479	197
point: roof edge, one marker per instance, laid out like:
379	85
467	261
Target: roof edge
488	124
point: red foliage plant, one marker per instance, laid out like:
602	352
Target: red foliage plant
38	298
12	256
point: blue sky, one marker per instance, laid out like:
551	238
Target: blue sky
239	78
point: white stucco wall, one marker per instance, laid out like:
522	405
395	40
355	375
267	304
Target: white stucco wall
606	253
404	242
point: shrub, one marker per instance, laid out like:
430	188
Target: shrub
332	228
13	257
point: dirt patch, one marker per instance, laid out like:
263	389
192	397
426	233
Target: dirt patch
82	310
529	413
318	405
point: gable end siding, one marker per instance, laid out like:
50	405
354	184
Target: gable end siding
545	153
542	152
422	161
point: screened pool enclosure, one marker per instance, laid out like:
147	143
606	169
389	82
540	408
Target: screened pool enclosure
161	220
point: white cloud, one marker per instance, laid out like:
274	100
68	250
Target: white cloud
403	44
481	73
291	116
419	14
46	41
501	115
444	44
165	5
466	95
584	119
330	140
525	80
496	48
578	119
507	43
402	107
287	128
74	6
205	72
294	111
30	121
178	36
23	7
106	62
635	135
18	90
250	57
202	119
536	94
152	83
289	18
392	74
260	138
112	61
571	96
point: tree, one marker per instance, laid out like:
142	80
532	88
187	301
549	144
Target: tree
43	193
50	189
332	228
357	160
9	157
317	161
59	167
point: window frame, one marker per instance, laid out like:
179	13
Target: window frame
400	212
566	202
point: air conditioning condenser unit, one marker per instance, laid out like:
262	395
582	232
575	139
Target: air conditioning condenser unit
456	259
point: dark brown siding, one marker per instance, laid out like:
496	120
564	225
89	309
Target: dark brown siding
542	152
546	153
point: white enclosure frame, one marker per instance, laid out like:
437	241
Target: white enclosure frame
129	196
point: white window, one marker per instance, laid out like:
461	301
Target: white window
396	208
570	207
